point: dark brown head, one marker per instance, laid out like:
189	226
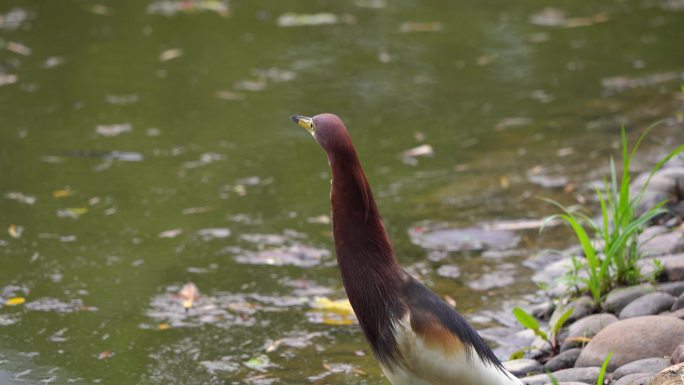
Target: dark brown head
328	130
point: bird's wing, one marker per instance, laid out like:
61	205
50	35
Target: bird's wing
438	346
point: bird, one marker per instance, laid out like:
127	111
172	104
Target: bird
417	338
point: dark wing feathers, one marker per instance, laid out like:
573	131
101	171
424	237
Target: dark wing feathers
424	306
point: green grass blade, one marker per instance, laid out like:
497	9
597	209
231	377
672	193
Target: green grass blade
602	373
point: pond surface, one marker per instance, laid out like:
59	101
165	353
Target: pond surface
146	144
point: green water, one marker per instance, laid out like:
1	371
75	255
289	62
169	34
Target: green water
201	100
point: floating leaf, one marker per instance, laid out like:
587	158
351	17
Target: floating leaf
104	355
164	326
340	306
170	233
188	294
15	231
67	192
337	321
259	363
170	54
411	26
113	129
15	301
20	197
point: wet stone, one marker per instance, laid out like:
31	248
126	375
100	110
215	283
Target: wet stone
587	327
471	238
564	360
522	367
674	267
673	288
582	307
633	339
664	244
677	356
647	365
648	304
618	298
635	379
678	303
671	375
587	375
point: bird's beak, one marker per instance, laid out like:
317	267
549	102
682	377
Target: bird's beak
304	121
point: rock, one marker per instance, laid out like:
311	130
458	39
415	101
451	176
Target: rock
674	267
663	244
677	314
564	360
543	310
568	383
678	303
665	184
587	327
633	339
677	355
618	298
672	375
588	375
635	379
673	288
582	307
647	365
648	304
525	366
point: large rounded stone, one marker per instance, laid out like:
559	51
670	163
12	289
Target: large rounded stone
663	244
581	307
587	327
588	375
678	304
635	379
673	288
648	304
618	298
647	365
564	360
678	355
674	266
633	339
523	367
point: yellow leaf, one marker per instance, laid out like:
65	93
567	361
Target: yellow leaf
15	301
337	321
341	306
62	193
164	326
78	210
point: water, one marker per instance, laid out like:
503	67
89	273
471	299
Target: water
140	151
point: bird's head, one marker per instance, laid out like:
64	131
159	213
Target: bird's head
328	130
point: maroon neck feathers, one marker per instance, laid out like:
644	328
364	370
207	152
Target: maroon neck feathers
360	237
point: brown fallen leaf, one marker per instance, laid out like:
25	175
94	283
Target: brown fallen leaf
104	355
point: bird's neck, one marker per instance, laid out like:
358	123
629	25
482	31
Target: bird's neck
370	271
361	241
